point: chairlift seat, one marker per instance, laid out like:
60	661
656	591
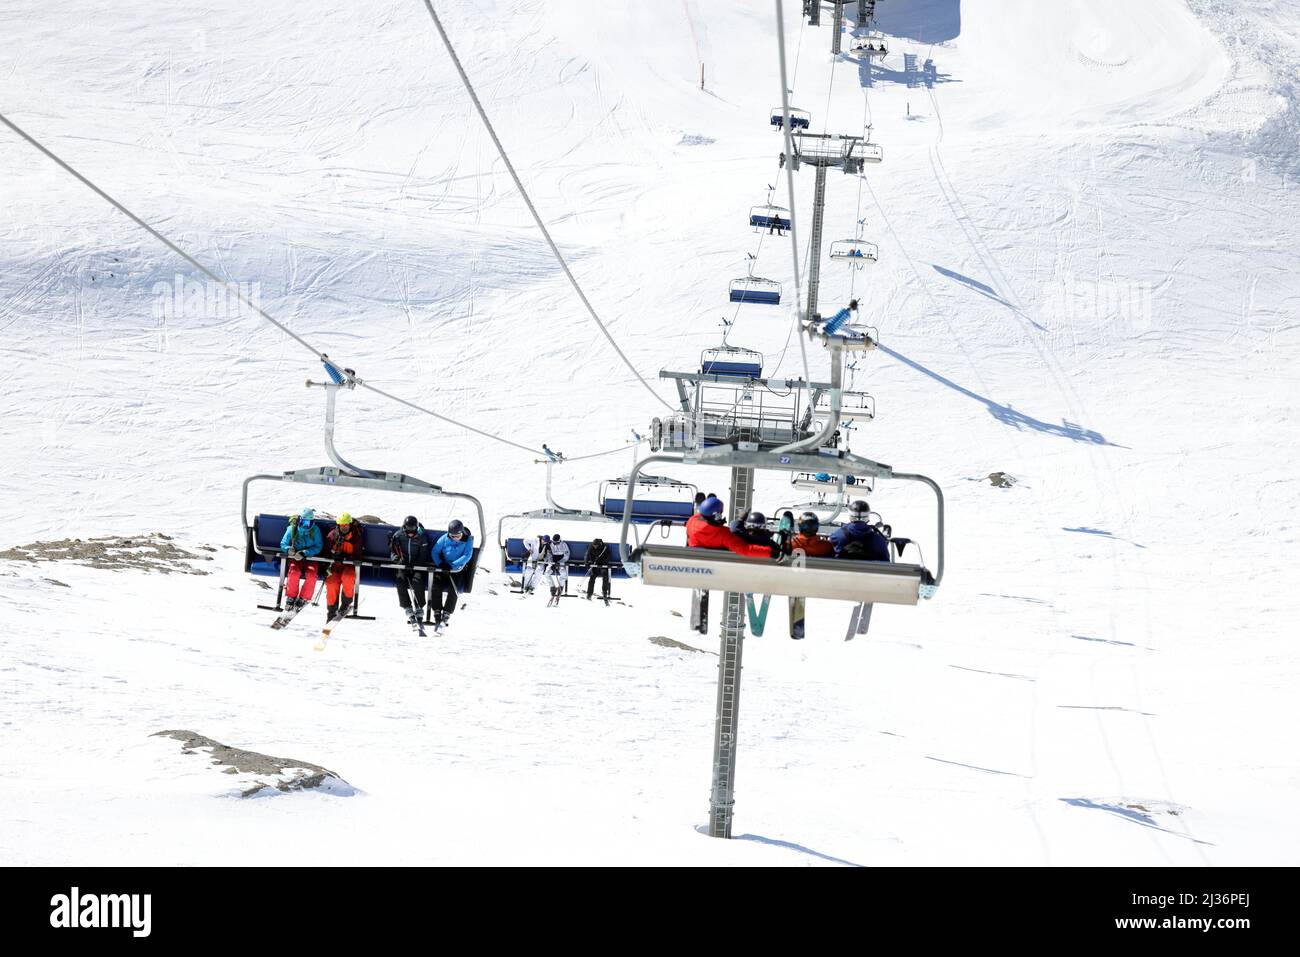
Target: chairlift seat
264	555
855	251
514	553
644	510
799	119
765	217
891	583
742	370
754	289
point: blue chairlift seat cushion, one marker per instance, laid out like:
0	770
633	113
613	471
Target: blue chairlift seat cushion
644	510
747	370
766	296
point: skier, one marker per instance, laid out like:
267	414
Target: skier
410	547
301	542
859	540
451	553
557	568
598	562
707	529
345	543
808	541
534	553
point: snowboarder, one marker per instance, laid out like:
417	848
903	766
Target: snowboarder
345	544
859	540
557	567
808	541
301	541
707	529
598	562
410	547
451	553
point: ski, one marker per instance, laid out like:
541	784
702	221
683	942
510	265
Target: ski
757	615
287	617
859	621
797	618
330	625
700	611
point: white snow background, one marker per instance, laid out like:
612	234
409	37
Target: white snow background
1087	280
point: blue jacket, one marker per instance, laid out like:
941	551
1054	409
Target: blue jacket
877	544
298	539
409	550
449	553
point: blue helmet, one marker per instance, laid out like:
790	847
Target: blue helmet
712	507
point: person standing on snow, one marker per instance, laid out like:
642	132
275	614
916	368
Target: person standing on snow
557	568
707	529
859	540
410	547
301	542
451	553
345	545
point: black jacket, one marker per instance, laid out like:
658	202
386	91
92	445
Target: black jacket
598	555
410	551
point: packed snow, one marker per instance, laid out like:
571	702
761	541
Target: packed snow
1087	224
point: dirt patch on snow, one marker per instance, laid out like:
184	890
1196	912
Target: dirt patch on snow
154	552
665	642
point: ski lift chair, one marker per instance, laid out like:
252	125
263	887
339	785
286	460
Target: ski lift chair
855	251
732	361
766	216
799	119
856	581
755	289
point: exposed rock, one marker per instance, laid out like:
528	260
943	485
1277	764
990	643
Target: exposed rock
284	774
148	552
1002	479
664	642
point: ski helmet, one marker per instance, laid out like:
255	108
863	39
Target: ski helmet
859	510
344	519
809	523
598	541
755	520
411	524
306	515
712	507
455	527
555	537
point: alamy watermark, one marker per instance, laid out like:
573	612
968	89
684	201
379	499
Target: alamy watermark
191	299
1120	307
102	910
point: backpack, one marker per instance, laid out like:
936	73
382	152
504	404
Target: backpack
857	549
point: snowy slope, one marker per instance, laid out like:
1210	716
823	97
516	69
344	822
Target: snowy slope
1086	281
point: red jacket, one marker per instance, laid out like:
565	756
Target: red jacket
345	546
700	533
813	546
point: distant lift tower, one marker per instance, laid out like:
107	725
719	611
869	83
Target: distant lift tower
837	30
824	150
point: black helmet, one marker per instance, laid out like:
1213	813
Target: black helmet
555	537
755	519
598	541
809	523
859	510
411	523
455	527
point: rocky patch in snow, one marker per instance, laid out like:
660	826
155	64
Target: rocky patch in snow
264	775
